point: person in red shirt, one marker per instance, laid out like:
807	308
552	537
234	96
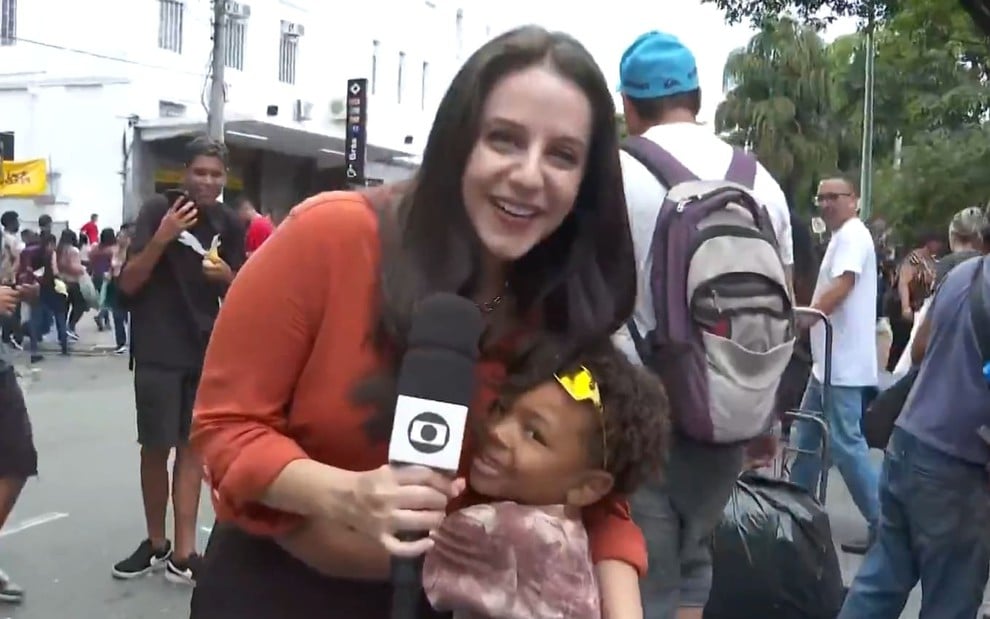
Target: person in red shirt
91	230
259	227
517	206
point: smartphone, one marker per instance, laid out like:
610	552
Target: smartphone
171	195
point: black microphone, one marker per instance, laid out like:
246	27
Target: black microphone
435	386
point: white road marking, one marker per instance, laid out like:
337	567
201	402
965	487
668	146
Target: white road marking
30	523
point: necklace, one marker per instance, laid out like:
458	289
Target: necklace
489	306
492	304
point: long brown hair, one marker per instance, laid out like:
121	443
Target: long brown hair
580	281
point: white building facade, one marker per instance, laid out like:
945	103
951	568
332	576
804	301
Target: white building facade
107	91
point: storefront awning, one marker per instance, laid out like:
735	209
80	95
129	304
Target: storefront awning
257	134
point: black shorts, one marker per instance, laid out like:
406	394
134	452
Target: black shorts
18	457
164	398
249	577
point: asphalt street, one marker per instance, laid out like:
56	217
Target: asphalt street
83	513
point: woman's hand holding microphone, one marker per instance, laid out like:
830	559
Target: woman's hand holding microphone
353	521
391	503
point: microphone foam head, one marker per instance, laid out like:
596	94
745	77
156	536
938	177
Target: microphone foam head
445	320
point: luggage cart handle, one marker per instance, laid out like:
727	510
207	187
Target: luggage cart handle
827	362
825	456
820	420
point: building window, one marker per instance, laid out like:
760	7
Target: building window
8	22
422	86
234	54
374	66
288	49
402	67
459	26
170	14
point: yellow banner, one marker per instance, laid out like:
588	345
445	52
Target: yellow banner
24	178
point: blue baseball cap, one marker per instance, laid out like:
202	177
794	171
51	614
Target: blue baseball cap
657	65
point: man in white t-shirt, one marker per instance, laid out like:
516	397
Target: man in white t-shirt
661	99
846	292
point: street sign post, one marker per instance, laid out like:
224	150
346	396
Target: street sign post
356	135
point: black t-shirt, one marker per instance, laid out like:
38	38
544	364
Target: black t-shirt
172	315
947	263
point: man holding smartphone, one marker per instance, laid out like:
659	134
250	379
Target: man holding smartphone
18	458
173	286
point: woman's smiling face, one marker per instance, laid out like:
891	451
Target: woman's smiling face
524	173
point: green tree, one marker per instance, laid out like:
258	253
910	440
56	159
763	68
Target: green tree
932	72
799	104
778	104
940	173
931	94
815	12
941	63
890	101
620	124
846	75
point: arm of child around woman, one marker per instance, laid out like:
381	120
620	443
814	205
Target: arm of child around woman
510	561
489	559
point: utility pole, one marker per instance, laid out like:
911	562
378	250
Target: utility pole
214	119
866	174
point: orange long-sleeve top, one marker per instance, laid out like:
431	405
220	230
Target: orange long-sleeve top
290	344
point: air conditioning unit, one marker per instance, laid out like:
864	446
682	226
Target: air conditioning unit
338	110
171	109
236	10
292	30
303	110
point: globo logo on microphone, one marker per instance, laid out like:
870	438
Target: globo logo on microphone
427	432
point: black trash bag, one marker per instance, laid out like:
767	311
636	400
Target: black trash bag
773	555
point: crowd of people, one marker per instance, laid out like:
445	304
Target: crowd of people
61	279
76	274
581	478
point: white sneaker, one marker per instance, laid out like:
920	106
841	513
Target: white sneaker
183	573
9	591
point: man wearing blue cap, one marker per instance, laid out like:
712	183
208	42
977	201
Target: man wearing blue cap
661	99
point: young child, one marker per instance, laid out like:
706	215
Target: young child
559	440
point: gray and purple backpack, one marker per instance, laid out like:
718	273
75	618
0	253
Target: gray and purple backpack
724	315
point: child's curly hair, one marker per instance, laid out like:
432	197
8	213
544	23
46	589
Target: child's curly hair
636	410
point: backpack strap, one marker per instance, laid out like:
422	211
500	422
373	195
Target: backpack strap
979	312
742	169
642	346
664	166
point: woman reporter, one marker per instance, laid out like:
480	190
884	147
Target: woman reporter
518	205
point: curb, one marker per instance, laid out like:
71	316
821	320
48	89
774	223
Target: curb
93	351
